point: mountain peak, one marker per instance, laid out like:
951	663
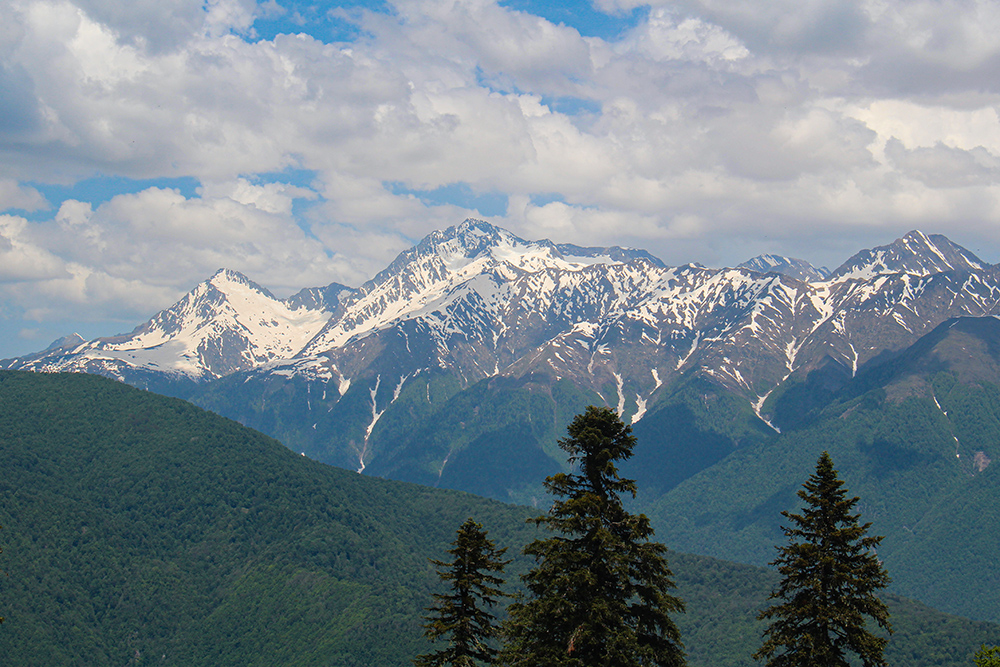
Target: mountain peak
66	342
225	280
474	227
915	253
786	266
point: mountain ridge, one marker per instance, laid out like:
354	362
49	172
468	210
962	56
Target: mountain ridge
461	366
475	301
481	270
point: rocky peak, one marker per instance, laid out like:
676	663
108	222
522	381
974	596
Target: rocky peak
916	254
787	266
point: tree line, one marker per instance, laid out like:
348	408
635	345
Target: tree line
600	590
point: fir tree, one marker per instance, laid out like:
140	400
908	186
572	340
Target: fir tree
830	576
598	591
460	615
987	656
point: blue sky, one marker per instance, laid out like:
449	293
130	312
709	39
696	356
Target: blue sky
145	145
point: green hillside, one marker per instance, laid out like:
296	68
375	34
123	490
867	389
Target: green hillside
142	530
137	524
496	438
916	437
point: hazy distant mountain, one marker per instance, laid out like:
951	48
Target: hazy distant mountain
788	266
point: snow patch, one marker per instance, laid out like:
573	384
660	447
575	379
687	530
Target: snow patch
376	415
758	406
640	404
621	393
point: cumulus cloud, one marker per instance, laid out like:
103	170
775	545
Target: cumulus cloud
707	129
21	258
159	236
942	166
14	195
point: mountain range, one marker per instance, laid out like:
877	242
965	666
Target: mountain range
474	303
460	364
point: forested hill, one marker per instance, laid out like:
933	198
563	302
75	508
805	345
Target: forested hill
139	529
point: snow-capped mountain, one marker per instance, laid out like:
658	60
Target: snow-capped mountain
431	276
226	324
480	301
915	254
474	303
462	362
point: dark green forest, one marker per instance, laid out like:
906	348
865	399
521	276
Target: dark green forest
914	437
139	529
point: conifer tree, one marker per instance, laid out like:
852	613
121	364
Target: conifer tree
598	594
830	576
460	615
987	656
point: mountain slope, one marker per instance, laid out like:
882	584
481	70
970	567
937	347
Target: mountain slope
916	437
141	529
788	266
339	374
915	253
140	525
473	303
224	325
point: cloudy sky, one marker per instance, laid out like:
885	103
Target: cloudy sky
145	144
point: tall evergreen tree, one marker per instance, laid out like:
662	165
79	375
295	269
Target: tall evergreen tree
460	614
599	588
830	576
987	656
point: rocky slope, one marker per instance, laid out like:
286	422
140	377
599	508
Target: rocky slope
473	303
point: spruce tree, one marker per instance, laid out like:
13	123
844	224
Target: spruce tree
987	656
460	615
830	576
598	594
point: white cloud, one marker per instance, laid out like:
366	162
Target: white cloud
664	37
917	124
21	259
14	195
710	128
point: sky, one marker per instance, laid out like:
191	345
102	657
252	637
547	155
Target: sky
146	144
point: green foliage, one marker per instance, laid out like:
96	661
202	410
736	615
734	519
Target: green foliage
829	578
496	438
987	656
136	523
460	615
598	591
697	426
139	523
920	488
2	619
